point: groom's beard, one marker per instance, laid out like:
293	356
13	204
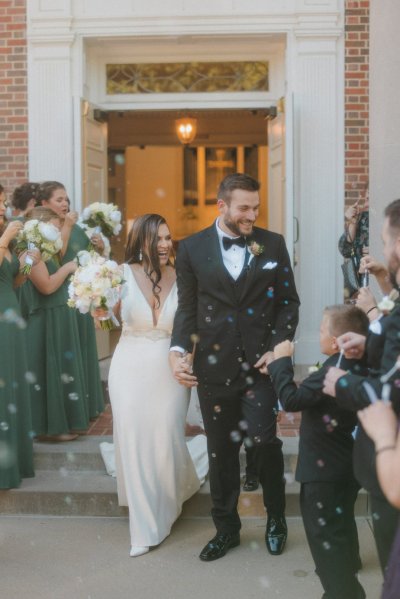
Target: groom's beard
235	227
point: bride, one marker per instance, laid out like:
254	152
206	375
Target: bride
155	473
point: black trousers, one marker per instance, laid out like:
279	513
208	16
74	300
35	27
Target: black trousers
327	509
384	519
244	409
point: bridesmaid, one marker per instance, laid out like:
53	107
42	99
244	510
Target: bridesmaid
54	353
16	455
23	200
53	195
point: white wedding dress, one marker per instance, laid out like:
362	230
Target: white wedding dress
155	473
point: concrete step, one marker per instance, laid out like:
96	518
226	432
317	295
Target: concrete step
84	454
71	481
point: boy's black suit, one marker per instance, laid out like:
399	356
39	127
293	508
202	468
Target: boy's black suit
382	351
236	322
324	469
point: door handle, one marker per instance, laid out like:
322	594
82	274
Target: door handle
296	230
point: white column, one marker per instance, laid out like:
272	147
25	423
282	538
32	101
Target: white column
317	81
51	139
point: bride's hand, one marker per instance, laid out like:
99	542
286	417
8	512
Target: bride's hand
182	369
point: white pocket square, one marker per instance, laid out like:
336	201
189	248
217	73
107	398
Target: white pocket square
270	265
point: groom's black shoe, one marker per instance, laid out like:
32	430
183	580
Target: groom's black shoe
276	534
251	483
219	545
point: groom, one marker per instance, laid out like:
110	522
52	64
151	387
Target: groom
236	300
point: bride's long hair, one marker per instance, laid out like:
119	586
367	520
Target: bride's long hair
141	248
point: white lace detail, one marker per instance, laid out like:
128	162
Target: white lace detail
153	334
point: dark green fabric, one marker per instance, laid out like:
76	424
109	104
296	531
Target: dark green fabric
79	241
16	453
54	354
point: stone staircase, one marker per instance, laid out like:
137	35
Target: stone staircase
71	481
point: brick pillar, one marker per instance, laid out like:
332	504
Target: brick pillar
356	98
13	94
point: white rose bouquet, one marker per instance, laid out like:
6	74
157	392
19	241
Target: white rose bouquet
96	284
38	235
100	217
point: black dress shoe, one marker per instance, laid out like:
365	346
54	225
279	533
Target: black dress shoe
251	483
276	534
218	546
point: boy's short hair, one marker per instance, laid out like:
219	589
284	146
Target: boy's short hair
345	318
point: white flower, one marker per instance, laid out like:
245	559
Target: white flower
30	224
115	216
49	231
386	305
83	257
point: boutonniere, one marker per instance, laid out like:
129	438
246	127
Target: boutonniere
255	248
386	304
314	368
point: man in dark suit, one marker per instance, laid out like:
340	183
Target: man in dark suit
236	300
324	466
352	391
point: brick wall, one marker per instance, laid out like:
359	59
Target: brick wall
13	94
356	98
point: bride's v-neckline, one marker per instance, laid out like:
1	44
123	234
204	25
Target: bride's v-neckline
162	305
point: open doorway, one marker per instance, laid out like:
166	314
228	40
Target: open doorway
149	170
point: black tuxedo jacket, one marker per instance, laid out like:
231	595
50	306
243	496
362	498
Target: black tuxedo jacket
382	351
326	442
232	319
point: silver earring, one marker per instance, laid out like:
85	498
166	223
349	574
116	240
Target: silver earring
140	256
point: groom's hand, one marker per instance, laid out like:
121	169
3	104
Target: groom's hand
182	369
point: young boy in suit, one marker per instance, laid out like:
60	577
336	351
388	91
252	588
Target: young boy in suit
324	468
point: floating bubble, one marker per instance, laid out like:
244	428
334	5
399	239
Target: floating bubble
257	440
286	283
30	377
32	434
319	505
289	477
245	501
343	383
339	510
14	385
209	307
67	500
245	366
119	159
37	387
320	463
286	269
326	545
213	455
249	380
243	425
66	378
7	457
326	418
248	442
270	292
69	355
216	347
376	516
334	422
217	409
194	338
329	428
212	359
12	408
228	382
230	319
63	471
208	319
254	545
321	521
250	311
235	436
4	426
396	383
73	396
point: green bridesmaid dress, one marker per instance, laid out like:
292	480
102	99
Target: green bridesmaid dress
79	241
54	355
16	382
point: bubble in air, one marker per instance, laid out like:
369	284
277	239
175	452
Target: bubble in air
30	377
73	396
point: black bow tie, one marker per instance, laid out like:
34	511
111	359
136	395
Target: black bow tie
227	242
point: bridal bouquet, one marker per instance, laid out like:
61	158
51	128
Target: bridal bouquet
38	235
96	285
100	217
